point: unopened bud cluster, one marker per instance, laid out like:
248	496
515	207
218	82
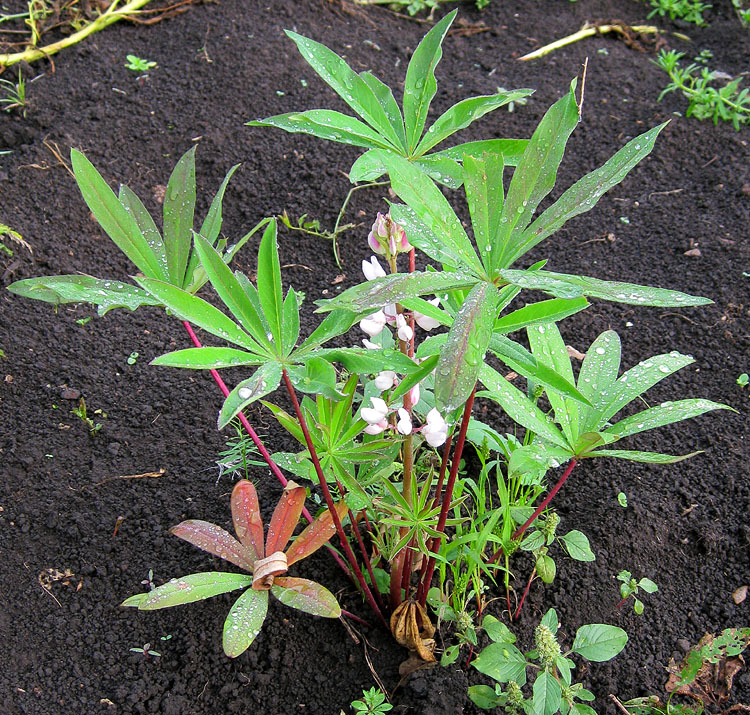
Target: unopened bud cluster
549	526
546	645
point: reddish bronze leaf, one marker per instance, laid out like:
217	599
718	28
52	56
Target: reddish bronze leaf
216	541
285	517
315	535
248	523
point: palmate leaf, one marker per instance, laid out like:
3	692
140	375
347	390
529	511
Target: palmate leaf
112	216
483	184
270	292
420	84
364	361
379	292
188	589
586	192
384	94
264	381
467	342
644	457
563	285
105	294
216	541
246	517
146	225
244	622
179	210
306	596
209	358
543	312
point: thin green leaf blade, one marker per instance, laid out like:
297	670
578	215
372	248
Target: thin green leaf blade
366	168
541	313
511	150
209	358
270	291
644	457
244	622
112	216
598	374
384	94
145	222
179	210
377	293
441	169
264	381
289	322
467	342
599	642
306	596
191	588
420	84
586	192
462	114
483	183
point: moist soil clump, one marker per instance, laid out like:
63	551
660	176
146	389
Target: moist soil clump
84	518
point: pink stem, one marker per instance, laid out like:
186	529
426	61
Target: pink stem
525	593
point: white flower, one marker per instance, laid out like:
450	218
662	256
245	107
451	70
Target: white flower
390	312
376	428
375	414
425	322
436	429
414	395
404	425
385	380
369	344
373	324
372	269
404	330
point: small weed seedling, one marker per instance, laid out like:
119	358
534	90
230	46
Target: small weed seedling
622	500
372	703
743	379
553	689
82	413
728	103
630	587
136	64
146	650
132	358
742	8
685	10
261	556
13	94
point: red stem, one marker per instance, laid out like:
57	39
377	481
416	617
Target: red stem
366	558
539	509
329	501
256	440
449	488
525	593
621	602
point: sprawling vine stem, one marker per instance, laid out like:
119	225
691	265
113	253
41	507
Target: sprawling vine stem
329	501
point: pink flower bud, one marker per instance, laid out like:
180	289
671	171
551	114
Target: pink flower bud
387	237
404	425
414	395
377	428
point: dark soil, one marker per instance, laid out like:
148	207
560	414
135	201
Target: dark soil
65	648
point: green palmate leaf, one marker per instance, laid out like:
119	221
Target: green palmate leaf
597	376
384	94
426	308
212	223
467	342
231	292
577	544
460	115
188	589
199	312
326	124
306	596
134	206
586	192
483	183
645	457
394	288
216	541
546	311
511	150
563	285
420	84
535	176
547	694
179	209
270	291
103	293
502	662
352	88
519	407
432	209
420	236
264	381
112	216
208	358
335	323
244	621
549	348
599	642
364	361
366	168
426	368
664	414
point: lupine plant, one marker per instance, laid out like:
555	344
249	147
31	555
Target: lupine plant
263	556
372	417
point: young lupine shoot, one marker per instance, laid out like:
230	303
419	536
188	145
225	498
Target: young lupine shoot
265	557
385	127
